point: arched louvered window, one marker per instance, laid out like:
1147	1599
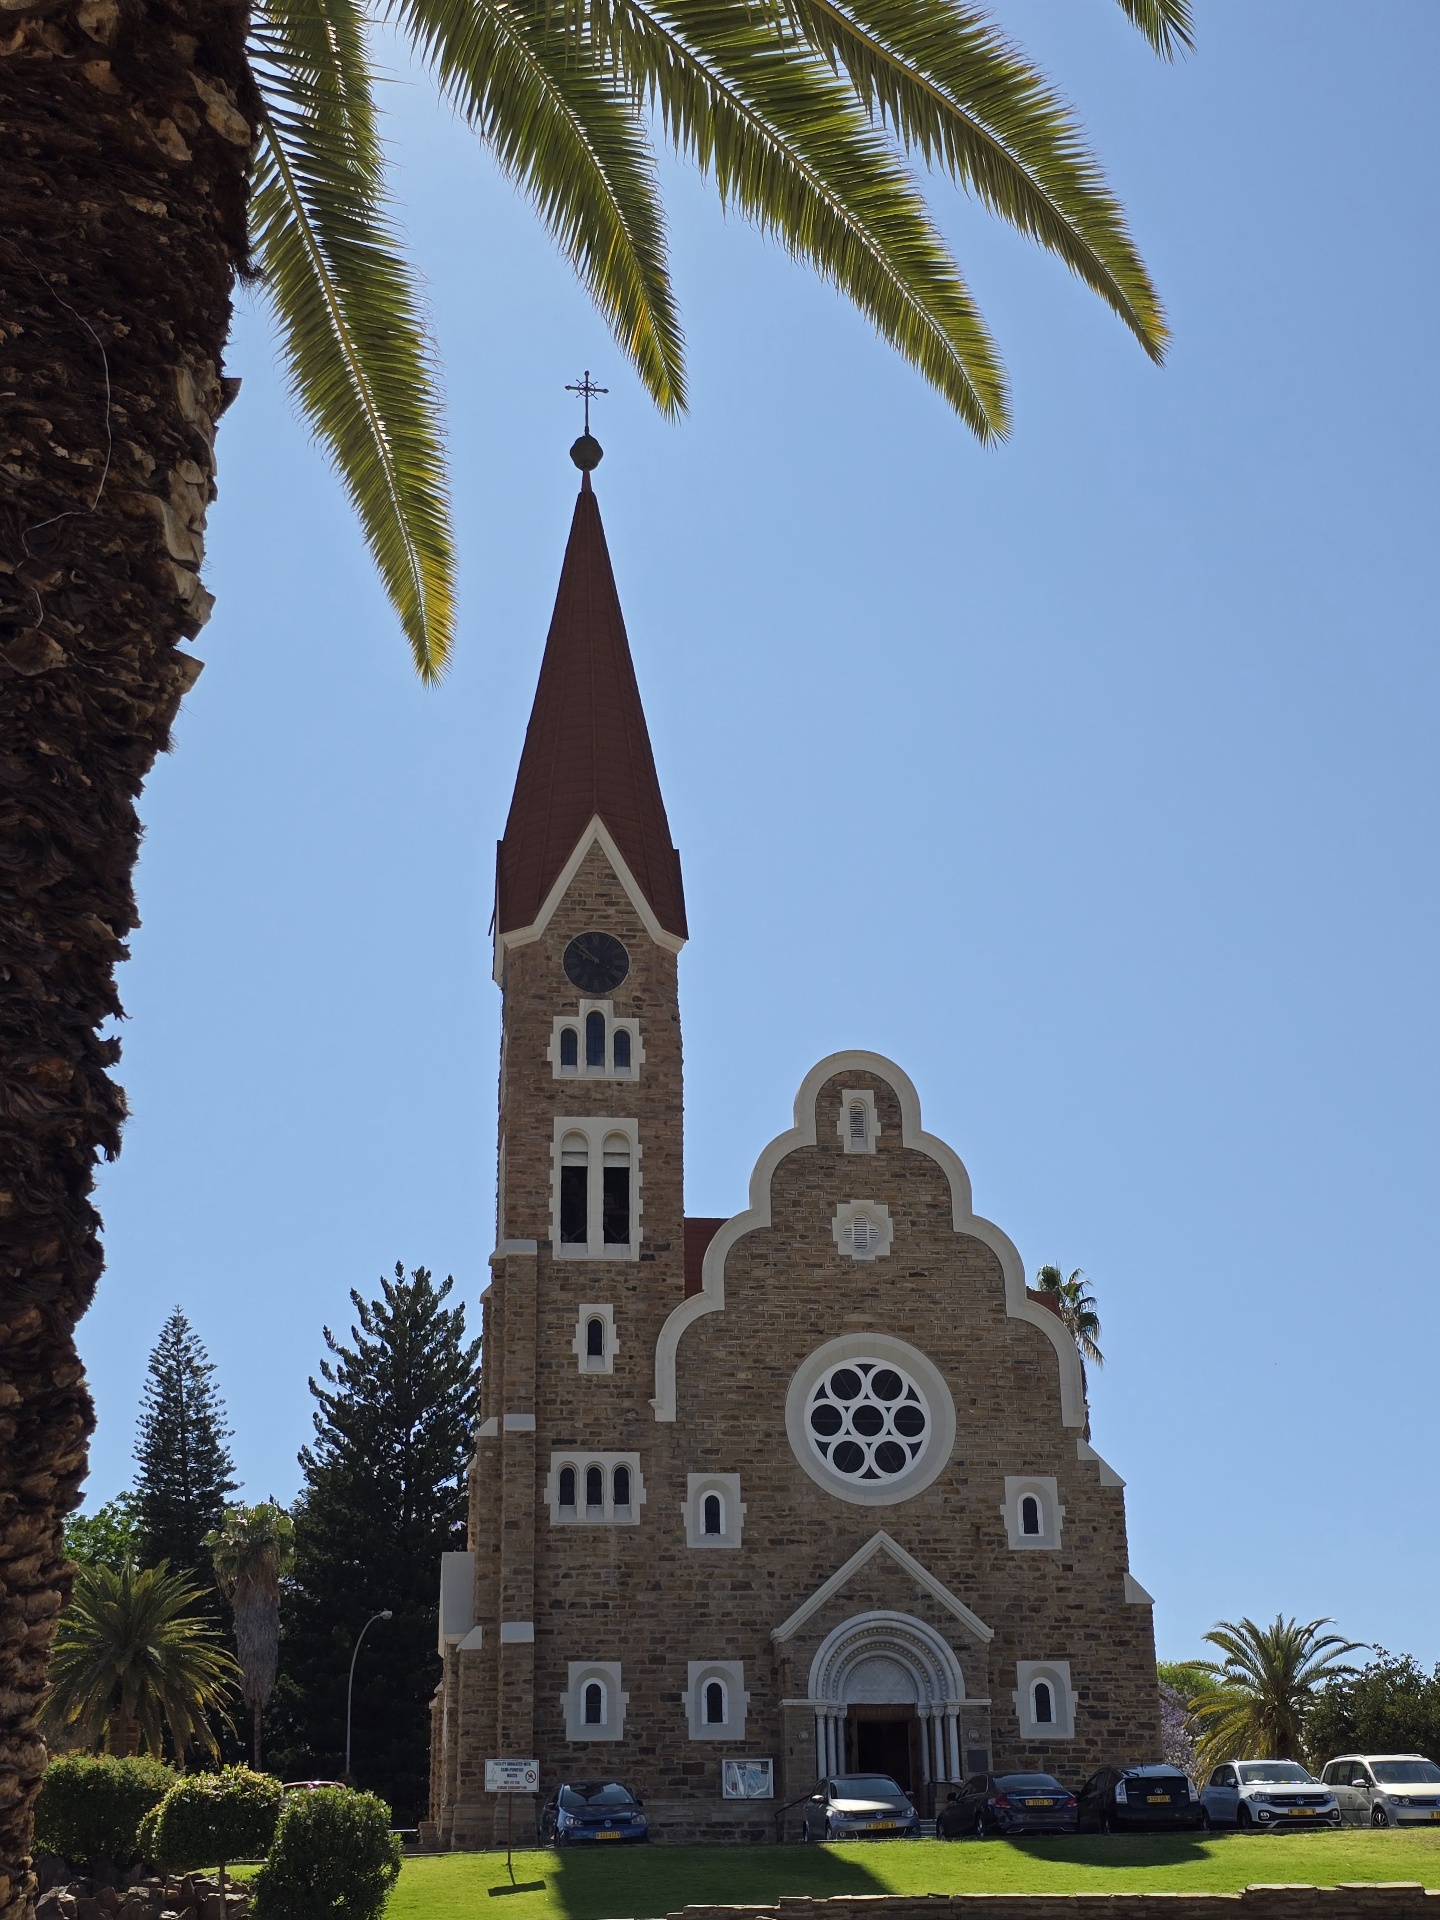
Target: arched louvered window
859	1123
594	1704
714	1512
574	1189
615	1194
594	1487
714	1703
1030	1517
1044	1701
569	1047
595	1338
567	1486
595	1039
622	1486
621	1045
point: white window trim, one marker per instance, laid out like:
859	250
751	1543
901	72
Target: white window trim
612	1026
1056	1675
1046	1492
604	1362
605	1673
926	1375
732	1509
580	1515
858	1096
596	1128
842	1227
731	1675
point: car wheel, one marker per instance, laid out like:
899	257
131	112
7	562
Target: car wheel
1107	1825
1379	1817
1207	1825
1244	1819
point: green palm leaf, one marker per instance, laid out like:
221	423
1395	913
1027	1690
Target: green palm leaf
1166	24
529	84
359	361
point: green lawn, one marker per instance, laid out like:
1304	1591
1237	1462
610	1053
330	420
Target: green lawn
643	1882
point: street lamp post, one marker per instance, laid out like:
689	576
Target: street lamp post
384	1614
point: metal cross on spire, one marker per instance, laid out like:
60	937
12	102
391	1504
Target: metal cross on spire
585	388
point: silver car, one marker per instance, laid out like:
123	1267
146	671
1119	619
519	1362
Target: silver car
1265	1795
853	1804
1385	1789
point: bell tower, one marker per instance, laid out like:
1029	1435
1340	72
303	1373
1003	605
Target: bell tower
590	1253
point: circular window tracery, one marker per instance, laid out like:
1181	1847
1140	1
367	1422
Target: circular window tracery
867	1420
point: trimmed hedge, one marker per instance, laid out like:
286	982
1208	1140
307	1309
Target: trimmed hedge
210	1819
334	1858
91	1807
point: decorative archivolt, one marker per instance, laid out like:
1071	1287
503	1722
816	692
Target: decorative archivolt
925	1656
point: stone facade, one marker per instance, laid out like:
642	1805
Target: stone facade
950	1595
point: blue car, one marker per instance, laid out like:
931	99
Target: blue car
584	1813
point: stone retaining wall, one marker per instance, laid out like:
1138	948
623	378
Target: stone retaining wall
1392	1900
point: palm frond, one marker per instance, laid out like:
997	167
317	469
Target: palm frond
360	365
785	141
1168	25
955	90
526	80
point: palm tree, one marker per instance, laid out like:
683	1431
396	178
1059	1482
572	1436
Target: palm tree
151	153
133	1660
252	1550
1074	1302
1262	1690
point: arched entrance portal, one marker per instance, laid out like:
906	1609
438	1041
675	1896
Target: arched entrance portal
887	1690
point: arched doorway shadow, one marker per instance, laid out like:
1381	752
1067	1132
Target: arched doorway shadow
888	1691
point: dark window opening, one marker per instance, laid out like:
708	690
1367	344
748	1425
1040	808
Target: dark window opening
617	1206
594	1705
622	1486
714	1704
594	1487
567	1486
595	1339
569	1047
622	1050
1044	1705
574	1206
1030	1515
594	1039
712	1513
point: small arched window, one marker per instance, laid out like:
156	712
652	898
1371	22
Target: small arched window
622	1486
567	1486
594	1704
594	1487
569	1047
1030	1517
714	1514
1044	1704
595	1338
714	1703
595	1039
859	1123
616	1191
574	1190
621	1045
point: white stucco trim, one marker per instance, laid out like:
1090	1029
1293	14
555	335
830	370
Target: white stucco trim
923	1653
934	1456
607	1675
1056	1675
732	1510
731	1675
879	1236
604	1361
596	834
517	1633
1045	1491
1108	1476
457	1599
1135	1594
711	1297
861	1097
880	1542
488	1429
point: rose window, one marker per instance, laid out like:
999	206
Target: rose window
867	1420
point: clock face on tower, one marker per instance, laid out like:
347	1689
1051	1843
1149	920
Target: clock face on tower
596	962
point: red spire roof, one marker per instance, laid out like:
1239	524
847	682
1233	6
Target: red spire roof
587	749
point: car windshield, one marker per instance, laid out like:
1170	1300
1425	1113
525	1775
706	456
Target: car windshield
586	1794
1275	1773
867	1786
1406	1773
1027	1783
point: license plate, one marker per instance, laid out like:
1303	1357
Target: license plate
1436	1814
1157	1799
1039	1803
1302	1813
883	1826
612	1835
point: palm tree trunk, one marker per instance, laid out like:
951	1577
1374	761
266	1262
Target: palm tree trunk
255	1712
124	137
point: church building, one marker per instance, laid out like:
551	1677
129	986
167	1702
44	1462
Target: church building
755	1500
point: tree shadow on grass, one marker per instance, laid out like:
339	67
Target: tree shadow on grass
643	1883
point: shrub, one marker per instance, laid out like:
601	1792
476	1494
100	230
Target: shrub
210	1819
334	1858
91	1806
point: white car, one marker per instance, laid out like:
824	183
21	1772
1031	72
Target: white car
1263	1795
1385	1789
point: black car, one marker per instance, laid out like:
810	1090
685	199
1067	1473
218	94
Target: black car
991	1804
584	1813
1138	1799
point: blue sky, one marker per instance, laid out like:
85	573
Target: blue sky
1090	778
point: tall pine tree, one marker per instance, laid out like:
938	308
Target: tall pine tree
185	1469
384	1497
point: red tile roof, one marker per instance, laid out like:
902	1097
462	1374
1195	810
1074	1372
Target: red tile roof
587	748
699	1232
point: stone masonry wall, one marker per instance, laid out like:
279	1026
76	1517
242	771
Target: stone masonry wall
1395	1901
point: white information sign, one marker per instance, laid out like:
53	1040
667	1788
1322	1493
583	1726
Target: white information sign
748	1779
512	1776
